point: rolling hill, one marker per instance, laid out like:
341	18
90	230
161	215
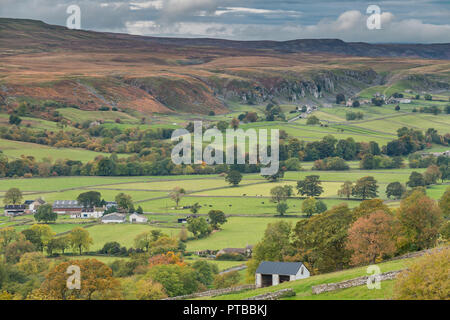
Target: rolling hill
90	70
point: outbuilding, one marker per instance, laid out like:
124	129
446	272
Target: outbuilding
114	218
138	218
270	273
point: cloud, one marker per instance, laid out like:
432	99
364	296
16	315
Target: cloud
401	21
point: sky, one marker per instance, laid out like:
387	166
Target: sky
401	21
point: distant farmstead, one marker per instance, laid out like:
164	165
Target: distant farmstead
271	273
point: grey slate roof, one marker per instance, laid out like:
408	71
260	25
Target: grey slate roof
65	204
114	216
282	268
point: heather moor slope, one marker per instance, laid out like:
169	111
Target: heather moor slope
90	70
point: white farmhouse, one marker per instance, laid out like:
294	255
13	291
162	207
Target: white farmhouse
114	218
271	273
138	218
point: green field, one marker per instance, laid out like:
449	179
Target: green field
303	291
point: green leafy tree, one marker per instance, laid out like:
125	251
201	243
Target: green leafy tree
124	201
365	188
420	218
346	189
199	227
395	190
233	177
80	239
176	195
416	180
309	206
216	218
310	187
90	199
13	196
282	207
45	213
195	208
280	193
444	203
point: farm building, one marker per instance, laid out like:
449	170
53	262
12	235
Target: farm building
86	213
33	205
114	218
13	210
138	218
71	207
271	273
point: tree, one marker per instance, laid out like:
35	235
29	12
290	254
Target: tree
194	208
60	243
395	189
146	289
216	218
310	187
321	240
226	280
274	246
426	278
234	123
205	271
428	97
124	201
312	120
80	239
346	189
90	199
177	280
33	263
432	174
280	193
444	203
15	250
370	238
420	219
233	177
140	210
176	194
97	282
199	227
282	207
366	187
416	180
45	213
321	206
12	196
397	108
39	235
143	240
14	120
7	235
309	206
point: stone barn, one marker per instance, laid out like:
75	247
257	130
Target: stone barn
271	273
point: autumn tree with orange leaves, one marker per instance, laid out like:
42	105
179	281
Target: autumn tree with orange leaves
97	283
370	238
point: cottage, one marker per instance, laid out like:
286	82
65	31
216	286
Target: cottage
138	218
114	218
71	207
271	273
33	205
13	210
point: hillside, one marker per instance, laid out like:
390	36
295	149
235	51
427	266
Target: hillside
90	70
